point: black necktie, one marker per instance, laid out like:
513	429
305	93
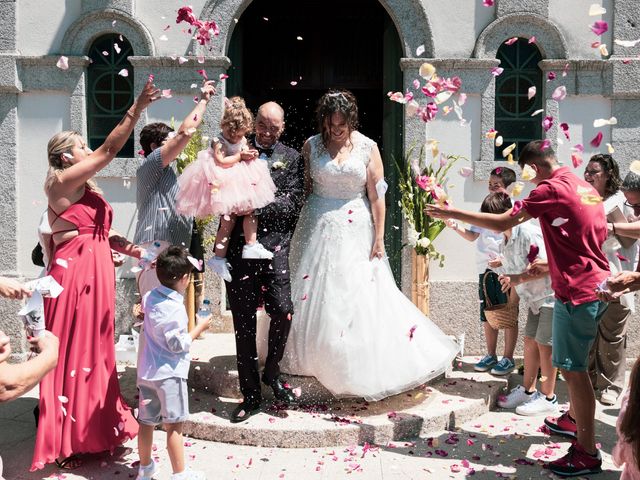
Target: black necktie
267	151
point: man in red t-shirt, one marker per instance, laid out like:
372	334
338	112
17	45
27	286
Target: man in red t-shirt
574	227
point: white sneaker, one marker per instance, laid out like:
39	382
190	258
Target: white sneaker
219	265
516	397
189	475
538	405
145	473
256	251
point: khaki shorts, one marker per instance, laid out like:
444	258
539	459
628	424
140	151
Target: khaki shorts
163	401
538	325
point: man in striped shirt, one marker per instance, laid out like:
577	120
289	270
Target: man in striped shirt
157	186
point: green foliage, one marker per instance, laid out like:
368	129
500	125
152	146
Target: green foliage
420	184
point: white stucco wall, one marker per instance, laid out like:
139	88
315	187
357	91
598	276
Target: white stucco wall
41	25
157	14
40	117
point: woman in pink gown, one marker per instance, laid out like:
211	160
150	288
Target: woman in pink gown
81	409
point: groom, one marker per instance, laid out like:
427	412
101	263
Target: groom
255	281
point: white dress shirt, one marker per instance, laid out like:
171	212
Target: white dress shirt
165	349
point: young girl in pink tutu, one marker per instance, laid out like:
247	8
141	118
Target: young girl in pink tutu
228	179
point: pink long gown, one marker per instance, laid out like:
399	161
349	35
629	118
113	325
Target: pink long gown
81	409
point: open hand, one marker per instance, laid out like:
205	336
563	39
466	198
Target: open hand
208	90
149	93
437	211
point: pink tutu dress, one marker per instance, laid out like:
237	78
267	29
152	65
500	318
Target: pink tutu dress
207	188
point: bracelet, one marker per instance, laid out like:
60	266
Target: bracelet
133	115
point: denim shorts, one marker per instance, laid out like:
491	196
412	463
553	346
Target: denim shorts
163	401
574	330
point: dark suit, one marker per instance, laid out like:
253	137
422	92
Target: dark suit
257	280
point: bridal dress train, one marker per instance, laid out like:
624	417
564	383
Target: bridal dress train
352	328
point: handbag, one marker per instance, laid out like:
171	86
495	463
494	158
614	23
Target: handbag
37	255
501	315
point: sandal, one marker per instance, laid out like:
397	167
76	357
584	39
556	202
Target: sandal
70	463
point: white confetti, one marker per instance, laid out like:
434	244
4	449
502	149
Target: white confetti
626	43
63	63
117	48
62	262
420	50
123	73
146	401
559	221
63	399
596	9
182	60
200	58
164	38
73	373
537	112
86	369
601	122
113	24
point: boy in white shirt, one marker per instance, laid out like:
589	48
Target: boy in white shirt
163	366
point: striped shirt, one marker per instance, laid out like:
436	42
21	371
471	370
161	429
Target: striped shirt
157	188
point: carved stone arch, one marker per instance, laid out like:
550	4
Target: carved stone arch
81	34
549	38
409	17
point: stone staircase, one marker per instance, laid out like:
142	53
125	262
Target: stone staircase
320	420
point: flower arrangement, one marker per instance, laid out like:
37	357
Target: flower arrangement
422	183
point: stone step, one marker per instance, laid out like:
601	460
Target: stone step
444	404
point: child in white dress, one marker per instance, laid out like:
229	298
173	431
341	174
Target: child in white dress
228	179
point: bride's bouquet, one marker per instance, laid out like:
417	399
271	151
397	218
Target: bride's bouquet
422	183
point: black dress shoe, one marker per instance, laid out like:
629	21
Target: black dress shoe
243	411
281	392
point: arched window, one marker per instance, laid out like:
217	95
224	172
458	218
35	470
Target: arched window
513	110
109	94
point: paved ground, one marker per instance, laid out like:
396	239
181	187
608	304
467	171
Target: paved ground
495	445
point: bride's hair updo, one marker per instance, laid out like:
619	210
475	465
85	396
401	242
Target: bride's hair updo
336	101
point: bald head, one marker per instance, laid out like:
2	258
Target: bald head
269	124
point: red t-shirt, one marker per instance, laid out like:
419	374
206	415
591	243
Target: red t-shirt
576	261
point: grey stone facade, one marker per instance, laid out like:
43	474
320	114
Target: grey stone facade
616	79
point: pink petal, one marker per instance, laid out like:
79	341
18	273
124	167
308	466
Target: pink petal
532	39
488	3
411	330
597	140
551	76
531	92
517	206
182	60
466	171
416	84
546	143
496	71
559	93
547	123
577	148
203	73
63	63
224	76
565	129
599	27
565	70
576	159
166	93
511	41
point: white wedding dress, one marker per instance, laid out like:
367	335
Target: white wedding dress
352	328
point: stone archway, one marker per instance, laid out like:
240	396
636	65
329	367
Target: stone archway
549	39
81	34
409	17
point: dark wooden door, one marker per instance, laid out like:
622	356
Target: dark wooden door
292	52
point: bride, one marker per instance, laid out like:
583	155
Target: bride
352	329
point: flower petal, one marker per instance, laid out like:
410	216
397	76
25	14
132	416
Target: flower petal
596	9
496	71
531	92
63	63
597	140
559	93
123	73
